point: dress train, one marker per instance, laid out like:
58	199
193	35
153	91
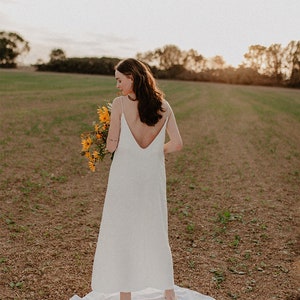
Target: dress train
148	294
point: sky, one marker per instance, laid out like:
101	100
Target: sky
122	28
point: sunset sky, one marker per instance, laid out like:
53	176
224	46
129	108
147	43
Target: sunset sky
121	28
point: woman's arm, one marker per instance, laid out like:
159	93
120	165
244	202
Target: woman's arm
115	125
175	143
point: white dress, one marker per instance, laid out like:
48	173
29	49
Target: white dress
133	253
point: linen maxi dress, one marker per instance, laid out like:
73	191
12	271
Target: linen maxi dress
133	253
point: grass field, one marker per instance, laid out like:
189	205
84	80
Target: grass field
233	192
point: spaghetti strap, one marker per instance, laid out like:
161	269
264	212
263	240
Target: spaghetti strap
169	110
122	105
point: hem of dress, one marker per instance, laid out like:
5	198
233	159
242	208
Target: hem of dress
147	294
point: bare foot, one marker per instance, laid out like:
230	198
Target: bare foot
125	296
170	295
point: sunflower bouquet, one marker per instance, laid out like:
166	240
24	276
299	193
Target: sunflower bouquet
94	142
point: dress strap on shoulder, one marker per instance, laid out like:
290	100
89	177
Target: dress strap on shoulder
169	110
122	105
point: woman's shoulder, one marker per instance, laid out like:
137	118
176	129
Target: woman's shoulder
166	106
117	104
118	100
165	103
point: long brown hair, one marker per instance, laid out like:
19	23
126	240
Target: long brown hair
147	93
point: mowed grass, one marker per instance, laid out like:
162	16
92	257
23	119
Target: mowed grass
233	192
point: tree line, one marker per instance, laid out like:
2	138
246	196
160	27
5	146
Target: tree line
274	65
86	65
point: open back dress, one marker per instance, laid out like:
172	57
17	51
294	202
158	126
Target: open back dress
133	252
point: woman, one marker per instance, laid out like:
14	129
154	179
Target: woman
133	253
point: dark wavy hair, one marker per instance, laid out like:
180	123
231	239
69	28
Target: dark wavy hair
147	93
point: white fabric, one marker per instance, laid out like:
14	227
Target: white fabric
148	294
133	250
133	253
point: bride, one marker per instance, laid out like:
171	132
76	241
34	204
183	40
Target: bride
133	257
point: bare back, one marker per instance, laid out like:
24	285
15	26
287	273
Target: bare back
142	133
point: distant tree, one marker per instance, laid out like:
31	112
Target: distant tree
162	58
255	58
292	63
193	61
57	54
11	46
217	62
148	58
273	63
168	56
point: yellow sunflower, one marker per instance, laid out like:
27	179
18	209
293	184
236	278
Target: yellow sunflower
104	116
92	166
86	143
95	154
